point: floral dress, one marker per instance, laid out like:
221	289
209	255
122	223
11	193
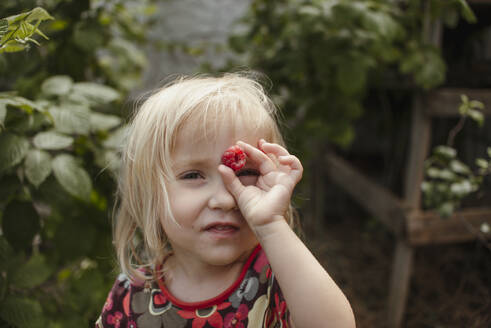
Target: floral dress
254	300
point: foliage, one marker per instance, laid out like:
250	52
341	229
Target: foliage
59	134
323	55
91	40
17	31
448	180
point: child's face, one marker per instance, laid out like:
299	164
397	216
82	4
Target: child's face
210	229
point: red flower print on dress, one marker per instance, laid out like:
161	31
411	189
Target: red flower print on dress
126	304
279	311
234	320
261	261
213	317
159	304
115	319
109	302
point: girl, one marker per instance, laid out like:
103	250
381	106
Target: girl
199	244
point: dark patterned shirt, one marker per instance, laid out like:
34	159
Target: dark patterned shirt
253	300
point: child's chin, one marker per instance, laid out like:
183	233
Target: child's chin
224	257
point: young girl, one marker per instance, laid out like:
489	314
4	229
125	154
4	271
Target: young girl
202	245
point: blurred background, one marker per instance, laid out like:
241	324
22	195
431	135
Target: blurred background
386	102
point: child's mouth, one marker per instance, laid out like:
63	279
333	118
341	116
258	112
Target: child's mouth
223	229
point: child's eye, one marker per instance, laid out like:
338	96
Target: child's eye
247	172
248	177
191	175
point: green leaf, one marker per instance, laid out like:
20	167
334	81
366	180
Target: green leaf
351	77
476	116
4	27
39	14
20	223
461	189
33	273
16	18
72	177
482	163
130	50
100	121
87	37
445	151
12	46
467	12
459	167
433	172
10	186
37	166
447	175
108	159
57	85
3	112
382	23
21	312
116	138
95	93
476	104
71	119
6	253
13	150
25	104
52	140
426	187
446	209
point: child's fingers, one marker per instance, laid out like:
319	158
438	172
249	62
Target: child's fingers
273	148
277	151
265	164
232	183
295	165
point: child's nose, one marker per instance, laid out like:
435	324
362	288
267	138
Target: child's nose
221	198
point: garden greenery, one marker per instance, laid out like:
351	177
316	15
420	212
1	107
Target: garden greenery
61	119
324	55
447	179
60	133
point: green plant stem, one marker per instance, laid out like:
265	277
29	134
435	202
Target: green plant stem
455	130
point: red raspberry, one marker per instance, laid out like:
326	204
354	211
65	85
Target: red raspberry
234	158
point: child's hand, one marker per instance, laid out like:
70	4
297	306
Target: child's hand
268	200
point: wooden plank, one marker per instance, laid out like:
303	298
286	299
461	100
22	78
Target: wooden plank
377	200
479	2
429	228
445	102
399	283
419	144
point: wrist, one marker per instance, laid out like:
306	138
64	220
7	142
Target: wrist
272	229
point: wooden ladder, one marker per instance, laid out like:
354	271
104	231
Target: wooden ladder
411	225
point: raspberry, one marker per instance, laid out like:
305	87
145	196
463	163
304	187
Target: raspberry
234	158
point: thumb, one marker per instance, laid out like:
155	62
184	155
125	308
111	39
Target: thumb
232	183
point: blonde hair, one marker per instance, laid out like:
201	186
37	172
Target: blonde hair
142	198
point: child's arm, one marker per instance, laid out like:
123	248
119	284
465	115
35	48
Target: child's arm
313	298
